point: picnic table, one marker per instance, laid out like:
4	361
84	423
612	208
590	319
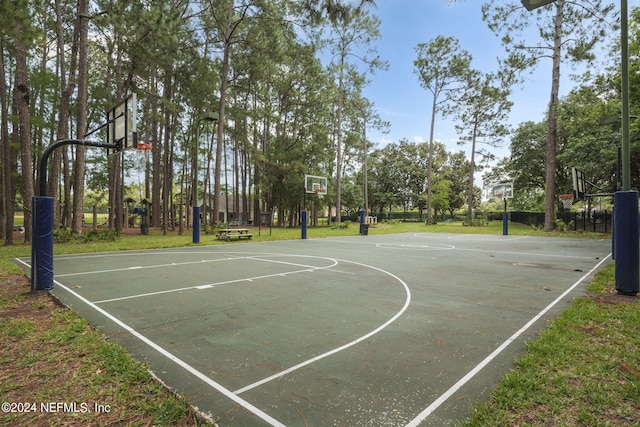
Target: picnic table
233	233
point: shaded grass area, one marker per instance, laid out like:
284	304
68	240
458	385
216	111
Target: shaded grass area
57	370
584	369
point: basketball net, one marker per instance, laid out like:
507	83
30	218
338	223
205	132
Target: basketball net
567	200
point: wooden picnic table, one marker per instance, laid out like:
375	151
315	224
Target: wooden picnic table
233	233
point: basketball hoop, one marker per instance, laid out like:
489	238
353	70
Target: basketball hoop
498	196
143	146
567	200
319	193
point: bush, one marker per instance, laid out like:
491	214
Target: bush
478	222
64	235
563	226
340	225
391	221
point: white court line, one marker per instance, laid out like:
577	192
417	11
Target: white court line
234	395
550	255
307	269
482	237
343	347
457	386
248	406
207	286
398	246
415	246
259	258
136	267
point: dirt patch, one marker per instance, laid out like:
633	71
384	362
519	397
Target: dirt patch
614	298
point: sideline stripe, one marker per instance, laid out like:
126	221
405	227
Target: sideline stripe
457	386
227	393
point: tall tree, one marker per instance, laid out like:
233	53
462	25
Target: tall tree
526	163
67	69
21	99
228	19
81	124
352	29
568	30
8	159
481	110
443	69
456	171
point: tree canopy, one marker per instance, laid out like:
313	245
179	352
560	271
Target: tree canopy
282	112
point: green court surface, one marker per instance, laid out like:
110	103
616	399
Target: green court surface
386	330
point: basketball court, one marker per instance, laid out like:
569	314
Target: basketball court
379	330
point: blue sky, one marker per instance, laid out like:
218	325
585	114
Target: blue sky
397	94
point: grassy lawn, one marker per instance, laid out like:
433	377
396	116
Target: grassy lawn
583	370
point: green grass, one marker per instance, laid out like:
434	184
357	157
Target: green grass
584	369
52	355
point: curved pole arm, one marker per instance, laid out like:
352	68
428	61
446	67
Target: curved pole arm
42	169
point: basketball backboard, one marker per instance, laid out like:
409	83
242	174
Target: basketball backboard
500	191
315	184
579	184
122	122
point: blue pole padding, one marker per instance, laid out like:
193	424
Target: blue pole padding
42	244
627	242
304	224
613	233
196	224
362	212
505	224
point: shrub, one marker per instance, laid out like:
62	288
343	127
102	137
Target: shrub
62	235
340	225
563	226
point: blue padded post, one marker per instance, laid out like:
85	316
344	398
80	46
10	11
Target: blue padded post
627	242
196	224
304	224
42	244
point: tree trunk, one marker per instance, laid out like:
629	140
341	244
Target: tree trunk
223	95
66	176
339	144
552	126
430	163
166	179
79	172
156	157
9	158
67	86
21	105
472	166
4	143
